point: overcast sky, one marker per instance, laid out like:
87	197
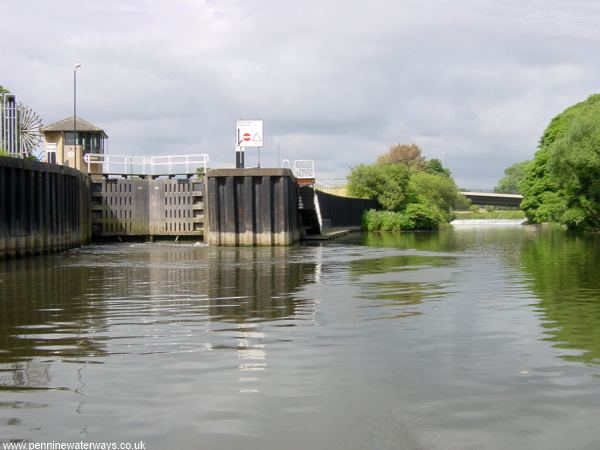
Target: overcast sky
472	81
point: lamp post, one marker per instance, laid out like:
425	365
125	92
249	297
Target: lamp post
75	107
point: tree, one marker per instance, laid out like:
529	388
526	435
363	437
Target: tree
437	190
408	154
388	184
575	165
513	175
561	183
435	167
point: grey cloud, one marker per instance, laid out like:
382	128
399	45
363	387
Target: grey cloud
337	81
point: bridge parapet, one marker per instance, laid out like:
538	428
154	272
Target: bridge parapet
491	198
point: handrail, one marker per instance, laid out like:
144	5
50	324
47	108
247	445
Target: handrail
199	159
304	169
172	162
106	160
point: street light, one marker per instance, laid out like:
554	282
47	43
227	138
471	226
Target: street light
75	107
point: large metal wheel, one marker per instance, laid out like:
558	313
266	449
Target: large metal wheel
29	131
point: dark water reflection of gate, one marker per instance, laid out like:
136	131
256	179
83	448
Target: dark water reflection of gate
67	307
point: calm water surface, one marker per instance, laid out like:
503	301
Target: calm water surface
471	338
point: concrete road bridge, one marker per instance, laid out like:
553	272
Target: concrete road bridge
490	198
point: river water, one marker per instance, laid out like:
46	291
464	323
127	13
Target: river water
473	338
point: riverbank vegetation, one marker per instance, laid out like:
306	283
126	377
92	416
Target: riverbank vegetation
562	184
415	193
489	215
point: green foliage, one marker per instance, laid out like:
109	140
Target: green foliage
415	217
388	184
561	183
437	190
374	220
423	217
575	165
4	152
513	175
435	167
417	194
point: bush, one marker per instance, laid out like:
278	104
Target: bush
415	217
388	184
420	216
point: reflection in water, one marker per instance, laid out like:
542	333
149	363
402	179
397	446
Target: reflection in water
249	286
246	284
476	240
565	273
400	283
143	299
45	314
187	347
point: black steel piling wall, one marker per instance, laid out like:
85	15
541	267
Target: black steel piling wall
43	208
343	211
252	207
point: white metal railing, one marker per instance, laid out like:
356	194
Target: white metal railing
121	164
141	165
304	168
172	162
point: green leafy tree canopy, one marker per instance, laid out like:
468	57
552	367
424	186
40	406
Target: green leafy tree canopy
561	184
388	184
513	175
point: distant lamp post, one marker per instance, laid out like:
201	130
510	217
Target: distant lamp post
77	66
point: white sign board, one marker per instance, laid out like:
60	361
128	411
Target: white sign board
249	133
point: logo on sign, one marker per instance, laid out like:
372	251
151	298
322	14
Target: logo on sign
246	137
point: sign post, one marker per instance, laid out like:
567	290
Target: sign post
249	133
